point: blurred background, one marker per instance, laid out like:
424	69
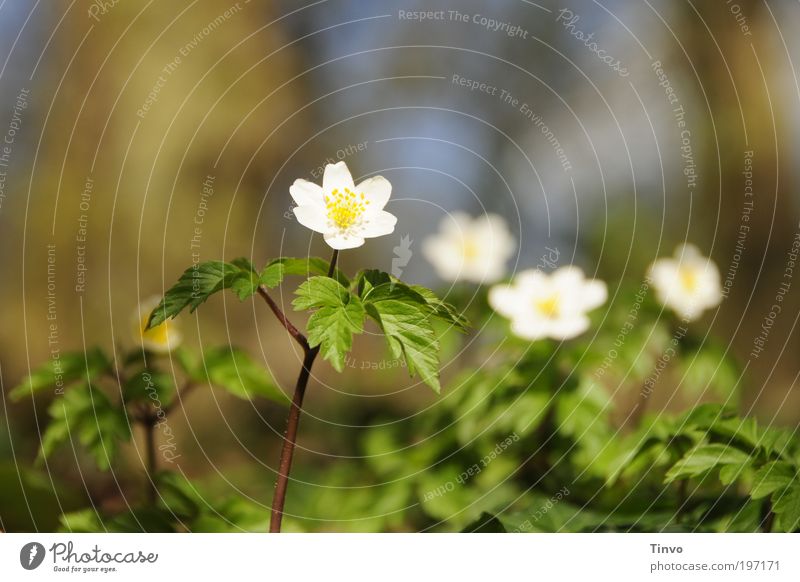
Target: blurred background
140	136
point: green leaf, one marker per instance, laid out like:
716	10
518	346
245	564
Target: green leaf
157	387
235	371
332	328
703	458
320	292
405	315
81	521
408	332
59	372
770	478
199	282
486	523
441	309
730	473
274	273
86	414
339	315
786	505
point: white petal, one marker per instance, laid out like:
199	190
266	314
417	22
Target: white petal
306	193
455	224
568	276
568	327
495	230
444	256
687	251
378	225
505	300
593	294
377	191
530	328
337	176
341	242
312	217
533	281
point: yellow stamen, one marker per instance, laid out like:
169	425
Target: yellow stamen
688	278
550	306
470	250
344	208
158	335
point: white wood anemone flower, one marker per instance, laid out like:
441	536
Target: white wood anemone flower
161	339
345	214
554	306
687	283
470	249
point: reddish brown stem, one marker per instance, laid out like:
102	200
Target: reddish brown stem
293	420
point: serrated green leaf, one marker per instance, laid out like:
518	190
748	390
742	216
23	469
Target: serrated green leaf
703	458
273	274
235	371
87	415
374	286
69	367
199	282
786	505
320	292
730	473
408	332
332	329
244	264
441	309
772	477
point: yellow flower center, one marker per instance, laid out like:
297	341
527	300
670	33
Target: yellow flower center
345	208
688	279
470	250
157	335
550	306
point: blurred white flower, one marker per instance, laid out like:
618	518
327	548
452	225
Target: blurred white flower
548	306
344	213
470	249
688	284
160	339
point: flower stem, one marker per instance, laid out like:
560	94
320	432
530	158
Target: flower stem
293	420
150	438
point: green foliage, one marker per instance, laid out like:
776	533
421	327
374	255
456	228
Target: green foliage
181	507
320	292
201	281
276	270
704	458
528	440
87	415
235	371
144	385
406	318
338	316
57	373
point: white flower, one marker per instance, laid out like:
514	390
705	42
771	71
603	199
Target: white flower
548	306
160	339
470	249
688	284
344	213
